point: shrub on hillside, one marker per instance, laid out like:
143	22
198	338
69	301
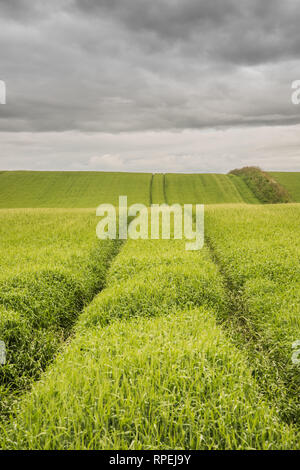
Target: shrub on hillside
262	185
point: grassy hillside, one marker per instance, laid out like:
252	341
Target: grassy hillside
26	189
291	182
71	189
207	189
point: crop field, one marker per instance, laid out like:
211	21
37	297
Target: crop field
207	189
258	252
142	344
51	266
28	189
149	367
291	181
78	189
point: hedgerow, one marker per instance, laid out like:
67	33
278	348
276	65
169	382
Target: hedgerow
263	186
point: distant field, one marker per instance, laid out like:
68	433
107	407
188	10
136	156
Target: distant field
71	189
291	181
207	189
26	189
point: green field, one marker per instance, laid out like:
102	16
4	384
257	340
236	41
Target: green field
77	189
142	344
258	251
149	367
27	189
291	181
51	267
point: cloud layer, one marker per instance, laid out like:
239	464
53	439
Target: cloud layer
140	66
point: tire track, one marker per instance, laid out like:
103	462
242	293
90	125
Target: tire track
151	189
165	189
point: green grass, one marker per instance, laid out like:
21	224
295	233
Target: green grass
150	368
22	189
51	267
36	239
291	182
258	251
207	189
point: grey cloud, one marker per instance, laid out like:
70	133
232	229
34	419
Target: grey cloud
244	31
135	65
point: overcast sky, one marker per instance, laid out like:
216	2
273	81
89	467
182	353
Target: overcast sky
149	85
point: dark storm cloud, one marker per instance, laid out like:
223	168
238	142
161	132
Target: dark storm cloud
246	31
135	65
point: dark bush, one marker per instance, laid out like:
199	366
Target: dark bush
266	189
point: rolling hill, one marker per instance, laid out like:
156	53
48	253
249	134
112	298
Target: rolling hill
87	189
207	189
67	189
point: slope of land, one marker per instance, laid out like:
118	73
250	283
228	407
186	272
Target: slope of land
207	189
71	189
291	182
26	189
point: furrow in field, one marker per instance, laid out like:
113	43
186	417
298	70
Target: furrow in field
151	190
165	189
258	252
158	189
150	368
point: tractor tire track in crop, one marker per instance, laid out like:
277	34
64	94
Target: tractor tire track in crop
157	189
151	189
279	381
38	311
246	337
165	189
